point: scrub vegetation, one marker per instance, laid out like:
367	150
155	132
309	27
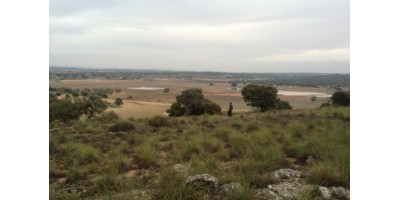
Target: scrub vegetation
107	156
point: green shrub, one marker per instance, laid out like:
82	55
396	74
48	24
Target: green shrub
329	174
236	125
108	117
327	104
118	161
118	101
281	105
341	98
109	181
171	186
65	109
147	154
158	121
165	134
252	126
192	102
122	126
176	110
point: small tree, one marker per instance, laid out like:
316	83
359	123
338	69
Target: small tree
118	101
192	102
65	109
313	98
263	97
158	121
92	106
341	98
260	96
109	91
117	90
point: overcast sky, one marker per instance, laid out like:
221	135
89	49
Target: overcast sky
202	35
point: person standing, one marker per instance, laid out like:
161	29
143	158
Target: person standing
230	109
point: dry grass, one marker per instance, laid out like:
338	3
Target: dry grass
138	109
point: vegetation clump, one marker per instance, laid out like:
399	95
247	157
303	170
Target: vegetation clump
122	126
245	149
192	102
118	101
263	97
65	109
158	121
93	105
341	98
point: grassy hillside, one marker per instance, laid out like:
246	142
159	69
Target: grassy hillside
94	156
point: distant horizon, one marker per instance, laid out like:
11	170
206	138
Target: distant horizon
178	70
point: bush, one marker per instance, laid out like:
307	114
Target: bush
118	101
192	102
176	110
84	93
158	121
122	126
75	94
280	105
313	98
117	90
211	107
327	104
108	116
341	98
65	109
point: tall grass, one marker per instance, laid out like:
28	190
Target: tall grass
245	148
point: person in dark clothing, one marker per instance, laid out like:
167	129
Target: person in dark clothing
230	109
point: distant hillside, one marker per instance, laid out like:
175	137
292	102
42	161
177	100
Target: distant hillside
291	79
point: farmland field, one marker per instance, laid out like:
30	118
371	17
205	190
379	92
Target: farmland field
147	103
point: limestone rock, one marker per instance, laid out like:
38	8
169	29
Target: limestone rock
204	182
325	192
287	175
230	190
180	169
266	194
339	193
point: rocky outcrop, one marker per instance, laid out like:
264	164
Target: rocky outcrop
287	175
290	186
204	182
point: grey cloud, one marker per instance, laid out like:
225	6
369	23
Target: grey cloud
215	34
